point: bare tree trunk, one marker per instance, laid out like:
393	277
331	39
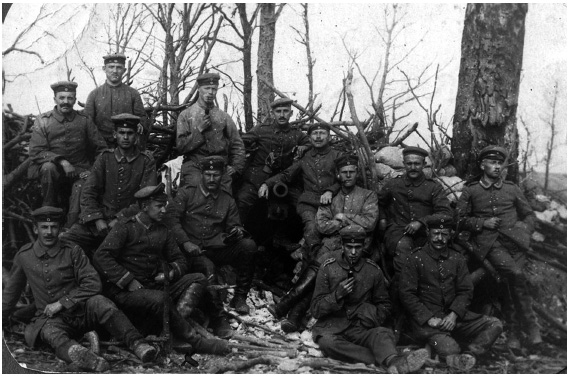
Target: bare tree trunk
310	61
268	18
489	78
247	77
550	144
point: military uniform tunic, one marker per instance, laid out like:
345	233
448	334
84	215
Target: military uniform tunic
360	207
402	201
433	284
106	101
352	328
221	138
63	274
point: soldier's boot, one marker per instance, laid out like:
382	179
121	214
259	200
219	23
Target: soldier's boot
239	303
243	284
485	339
463	361
189	300
534	337
86	359
144	351
215	310
296	315
207	346
305	285
513	341
408	363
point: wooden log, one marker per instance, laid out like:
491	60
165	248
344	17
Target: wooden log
274	353
262	327
550	250
225	366
290	353
403	137
549	318
256	341
12	177
10	214
553	227
554	264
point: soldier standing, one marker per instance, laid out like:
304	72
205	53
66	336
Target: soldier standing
113	98
66	293
205	130
501	221
63	146
351	305
436	290
115	177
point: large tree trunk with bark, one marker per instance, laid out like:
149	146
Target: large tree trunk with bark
247	77
489	78
268	19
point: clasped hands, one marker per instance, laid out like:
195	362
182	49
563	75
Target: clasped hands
446	324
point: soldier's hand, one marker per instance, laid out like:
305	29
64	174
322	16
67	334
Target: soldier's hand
341	218
206	123
448	323
412	227
101	225
263	191
434	322
383	224
301	151
68	168
231	170
160	277
140	129
52	309
134	285
492	223
326	198
113	223
83	175
344	288
191	249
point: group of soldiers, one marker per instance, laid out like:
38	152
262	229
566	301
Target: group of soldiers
128	249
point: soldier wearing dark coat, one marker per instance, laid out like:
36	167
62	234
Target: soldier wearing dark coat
206	224
205	130
436	290
109	190
136	258
63	146
501	221
275	144
351	305
66	290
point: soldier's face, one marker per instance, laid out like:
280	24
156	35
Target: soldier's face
492	168
282	114
352	252
64	101
125	137
319	138
414	165
155	210
212	179
208	93
439	237
114	72
347	176
47	233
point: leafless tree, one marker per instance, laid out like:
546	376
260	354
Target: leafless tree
551	123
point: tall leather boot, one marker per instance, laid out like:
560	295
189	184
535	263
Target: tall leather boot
215	310
305	285
189	300
296	315
208	346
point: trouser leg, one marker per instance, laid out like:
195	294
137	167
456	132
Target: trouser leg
58	334
479	333
304	286
510	264
49	176
101	311
74	202
245	199
380	341
310	232
84	237
339	348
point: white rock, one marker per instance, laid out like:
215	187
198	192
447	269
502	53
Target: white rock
428	172
454	197
391	156
315	353
542	198
538	237
453	183
396	173
288	365
383	169
546	215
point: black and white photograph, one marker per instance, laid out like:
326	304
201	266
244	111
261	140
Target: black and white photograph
284	188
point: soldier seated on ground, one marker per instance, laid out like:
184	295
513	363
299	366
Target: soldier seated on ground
66	291
136	258
436	290
351	305
206	224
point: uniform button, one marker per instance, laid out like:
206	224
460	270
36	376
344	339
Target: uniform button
46	264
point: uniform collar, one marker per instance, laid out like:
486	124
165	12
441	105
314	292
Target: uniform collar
207	193
114	86
60	117
119	155
442	255
201	103
279	129
346	266
487	184
417	182
315	152
40	250
144	220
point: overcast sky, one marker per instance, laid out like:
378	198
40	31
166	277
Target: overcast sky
544	61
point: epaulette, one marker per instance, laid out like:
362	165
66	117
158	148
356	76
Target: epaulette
472	183
508	182
372	263
25	248
111	150
81	112
68	243
416	249
148	154
46	114
329	261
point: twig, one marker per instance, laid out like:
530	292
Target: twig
403	137
262	327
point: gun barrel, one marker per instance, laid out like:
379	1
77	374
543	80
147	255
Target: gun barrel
280	190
